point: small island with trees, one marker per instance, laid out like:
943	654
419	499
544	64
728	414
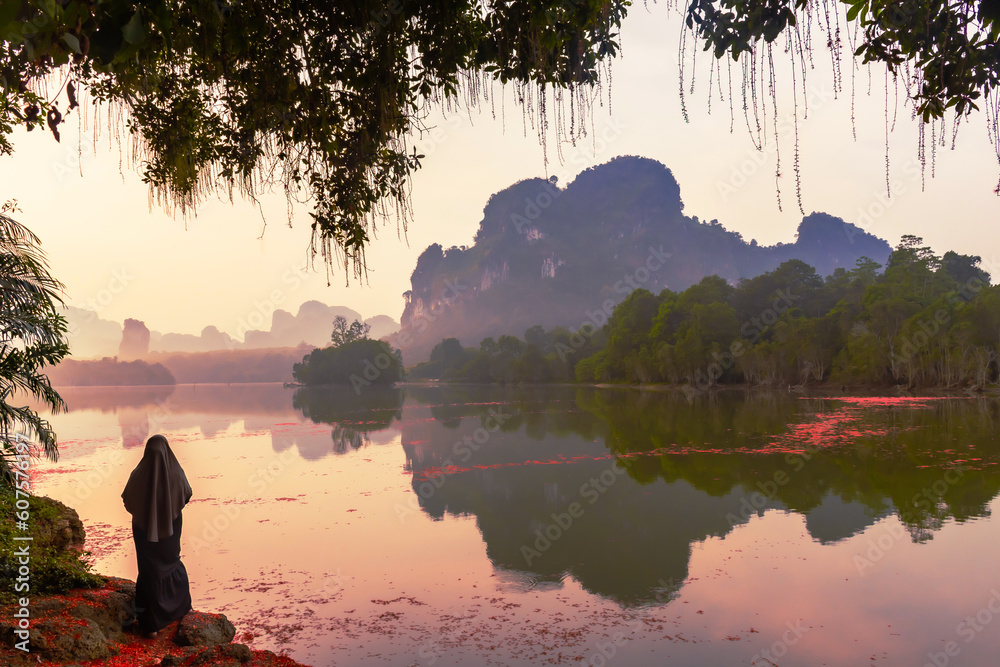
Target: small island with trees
352	359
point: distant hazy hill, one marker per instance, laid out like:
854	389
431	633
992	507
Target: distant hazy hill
92	337
89	335
312	325
557	256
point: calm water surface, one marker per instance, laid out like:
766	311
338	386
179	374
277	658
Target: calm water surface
483	526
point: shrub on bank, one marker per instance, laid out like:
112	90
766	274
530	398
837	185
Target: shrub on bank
56	560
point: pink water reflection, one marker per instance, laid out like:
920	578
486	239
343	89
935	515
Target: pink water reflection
328	557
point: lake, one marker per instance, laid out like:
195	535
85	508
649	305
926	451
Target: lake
555	525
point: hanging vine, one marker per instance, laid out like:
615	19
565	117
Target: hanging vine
315	100
946	57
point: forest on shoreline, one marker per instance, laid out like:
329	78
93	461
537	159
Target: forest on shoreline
919	321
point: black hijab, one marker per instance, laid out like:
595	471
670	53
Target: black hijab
157	490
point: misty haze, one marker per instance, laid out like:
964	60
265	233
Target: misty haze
499	334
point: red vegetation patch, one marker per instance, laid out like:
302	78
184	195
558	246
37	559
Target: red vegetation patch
895	401
60	613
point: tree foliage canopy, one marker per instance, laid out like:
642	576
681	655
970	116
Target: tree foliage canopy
949	48
352	358
543	356
344	333
314	98
922	321
925	320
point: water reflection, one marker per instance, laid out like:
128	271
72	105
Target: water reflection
620	499
928	459
613	487
651	474
355	417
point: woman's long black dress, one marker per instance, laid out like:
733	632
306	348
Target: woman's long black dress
162	592
156	493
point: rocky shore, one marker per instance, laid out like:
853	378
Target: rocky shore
84	627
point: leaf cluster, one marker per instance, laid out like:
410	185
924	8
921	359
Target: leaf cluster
316	99
32	336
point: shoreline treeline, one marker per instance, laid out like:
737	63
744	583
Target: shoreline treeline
922	321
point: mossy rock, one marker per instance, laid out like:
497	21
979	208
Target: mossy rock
203	629
64	639
58	563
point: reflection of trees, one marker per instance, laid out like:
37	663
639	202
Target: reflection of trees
110	399
539	410
863	463
354	416
882	456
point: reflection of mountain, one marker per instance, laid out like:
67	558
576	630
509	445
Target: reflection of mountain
237	399
311	445
694	471
212	409
627	539
134	423
293	418
232	366
109	399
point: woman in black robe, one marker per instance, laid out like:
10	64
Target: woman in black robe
156	492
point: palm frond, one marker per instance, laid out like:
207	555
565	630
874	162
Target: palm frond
32	336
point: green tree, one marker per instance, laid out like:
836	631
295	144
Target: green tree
344	334
627	354
533	366
359	363
707	332
504	363
975	338
32	336
537	336
447	352
964	269
447	361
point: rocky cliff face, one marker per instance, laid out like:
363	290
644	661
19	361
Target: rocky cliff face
135	341
555	256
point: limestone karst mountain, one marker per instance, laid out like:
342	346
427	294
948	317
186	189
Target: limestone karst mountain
135	341
90	336
552	255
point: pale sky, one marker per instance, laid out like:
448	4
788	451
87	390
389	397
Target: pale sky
118	257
